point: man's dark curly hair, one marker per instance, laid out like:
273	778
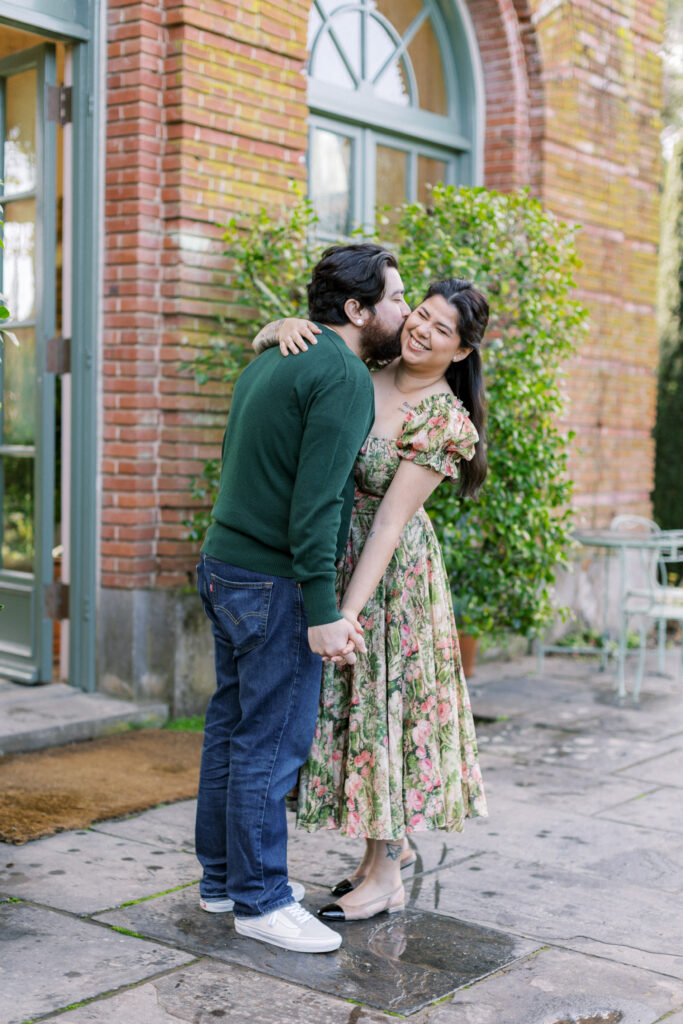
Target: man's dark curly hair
347	272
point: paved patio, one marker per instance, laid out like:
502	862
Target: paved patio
563	907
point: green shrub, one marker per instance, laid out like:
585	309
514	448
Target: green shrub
668	433
503	549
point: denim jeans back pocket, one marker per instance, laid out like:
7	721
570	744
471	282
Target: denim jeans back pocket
242	611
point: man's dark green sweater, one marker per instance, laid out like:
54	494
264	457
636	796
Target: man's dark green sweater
284	503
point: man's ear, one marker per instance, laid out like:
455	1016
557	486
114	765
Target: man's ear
355	312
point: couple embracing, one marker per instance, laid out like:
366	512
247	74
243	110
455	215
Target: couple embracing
321	562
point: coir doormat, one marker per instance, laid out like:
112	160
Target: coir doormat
75	785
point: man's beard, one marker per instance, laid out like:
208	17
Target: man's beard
379	344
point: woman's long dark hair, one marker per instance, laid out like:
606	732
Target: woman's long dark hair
465	378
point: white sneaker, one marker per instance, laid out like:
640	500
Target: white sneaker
226	905
290	927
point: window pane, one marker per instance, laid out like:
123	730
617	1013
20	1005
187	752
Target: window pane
391	180
425	55
380	46
393	85
429	172
327	65
20	133
314	23
401	13
330	181
347	28
17	513
19	283
18	392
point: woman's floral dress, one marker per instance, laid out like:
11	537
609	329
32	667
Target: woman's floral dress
394	748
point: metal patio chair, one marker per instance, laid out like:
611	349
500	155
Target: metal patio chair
652	599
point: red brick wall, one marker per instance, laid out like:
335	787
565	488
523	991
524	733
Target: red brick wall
601	82
514	110
207	118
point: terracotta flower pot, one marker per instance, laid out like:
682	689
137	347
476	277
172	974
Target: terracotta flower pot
468	652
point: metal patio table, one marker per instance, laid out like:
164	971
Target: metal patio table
669	547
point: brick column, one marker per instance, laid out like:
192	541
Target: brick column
207	118
602	84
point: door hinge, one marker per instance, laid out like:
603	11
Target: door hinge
56	600
58	355
59	103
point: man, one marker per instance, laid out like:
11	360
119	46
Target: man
266	578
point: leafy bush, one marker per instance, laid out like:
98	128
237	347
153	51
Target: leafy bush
503	549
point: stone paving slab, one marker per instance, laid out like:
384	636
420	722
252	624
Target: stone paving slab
208	992
396	963
610	849
657	809
628	924
588	702
170	825
667	769
36	717
556	985
600	753
50	961
31	694
572	713
512	697
557	785
83	872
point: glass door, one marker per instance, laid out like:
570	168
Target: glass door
27	416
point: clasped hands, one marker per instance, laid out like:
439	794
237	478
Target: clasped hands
338	641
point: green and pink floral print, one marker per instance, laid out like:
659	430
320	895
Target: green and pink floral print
395	749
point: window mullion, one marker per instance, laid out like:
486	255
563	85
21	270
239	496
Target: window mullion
367	175
364	42
411	184
342	53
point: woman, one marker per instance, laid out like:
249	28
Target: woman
394	749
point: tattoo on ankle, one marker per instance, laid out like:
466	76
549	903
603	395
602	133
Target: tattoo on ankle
394	849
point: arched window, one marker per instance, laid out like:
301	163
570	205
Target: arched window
396	104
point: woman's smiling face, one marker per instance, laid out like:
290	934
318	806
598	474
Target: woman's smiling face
430	338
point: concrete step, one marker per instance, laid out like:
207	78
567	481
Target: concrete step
36	717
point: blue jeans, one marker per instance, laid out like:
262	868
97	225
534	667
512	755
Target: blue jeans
259	728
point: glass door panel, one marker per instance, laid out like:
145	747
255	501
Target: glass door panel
19	269
20	151
27	282
18	411
18	513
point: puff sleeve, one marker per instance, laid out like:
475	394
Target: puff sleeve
438	433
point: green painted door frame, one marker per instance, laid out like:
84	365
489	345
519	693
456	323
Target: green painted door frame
25	630
77	23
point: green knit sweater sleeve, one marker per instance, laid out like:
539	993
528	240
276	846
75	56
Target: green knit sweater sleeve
337	419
